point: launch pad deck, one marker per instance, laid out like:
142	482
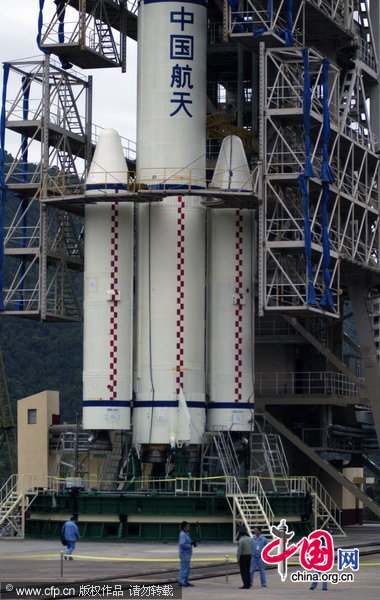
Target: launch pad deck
210	198
18	561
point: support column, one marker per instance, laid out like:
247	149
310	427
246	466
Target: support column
240	87
255	94
358	291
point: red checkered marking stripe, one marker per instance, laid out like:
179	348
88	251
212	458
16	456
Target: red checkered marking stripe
239	305
180	332
114	281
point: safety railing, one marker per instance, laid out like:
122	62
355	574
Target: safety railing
359	133
254	19
326	383
161	180
272	325
73	34
255	487
367	53
338	10
66	117
313	485
215	33
24	483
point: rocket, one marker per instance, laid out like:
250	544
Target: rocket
231	311
108	290
147	336
171	140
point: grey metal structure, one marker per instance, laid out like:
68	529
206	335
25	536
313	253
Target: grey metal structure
43	246
91	34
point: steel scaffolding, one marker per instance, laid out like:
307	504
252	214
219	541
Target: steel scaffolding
43	246
91	34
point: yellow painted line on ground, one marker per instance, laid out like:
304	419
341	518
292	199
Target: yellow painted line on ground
159	560
127	559
31	556
113	558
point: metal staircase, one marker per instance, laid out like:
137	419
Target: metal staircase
113	463
72	454
68	115
250	510
327	514
226	453
16	496
268	459
106	44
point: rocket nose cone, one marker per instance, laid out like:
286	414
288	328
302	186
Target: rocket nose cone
232	171
108	132
108	173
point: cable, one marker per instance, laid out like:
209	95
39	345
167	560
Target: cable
150	319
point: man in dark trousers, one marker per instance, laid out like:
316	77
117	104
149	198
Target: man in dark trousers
244	554
70	533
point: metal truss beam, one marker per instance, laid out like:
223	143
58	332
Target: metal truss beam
326	466
330	356
354	207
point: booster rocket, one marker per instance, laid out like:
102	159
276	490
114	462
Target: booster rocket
108	291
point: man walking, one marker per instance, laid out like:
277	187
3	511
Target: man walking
244	555
185	550
70	533
258	543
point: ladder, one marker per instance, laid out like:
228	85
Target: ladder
226	453
278	461
106	45
68	449
113	463
250	510
269	457
347	101
68	167
68	115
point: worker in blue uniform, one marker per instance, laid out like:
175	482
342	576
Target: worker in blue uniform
185	549
258	543
70	533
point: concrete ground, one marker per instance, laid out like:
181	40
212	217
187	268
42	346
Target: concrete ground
39	560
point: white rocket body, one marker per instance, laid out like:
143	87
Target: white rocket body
171	87
170	356
230	307
108	288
